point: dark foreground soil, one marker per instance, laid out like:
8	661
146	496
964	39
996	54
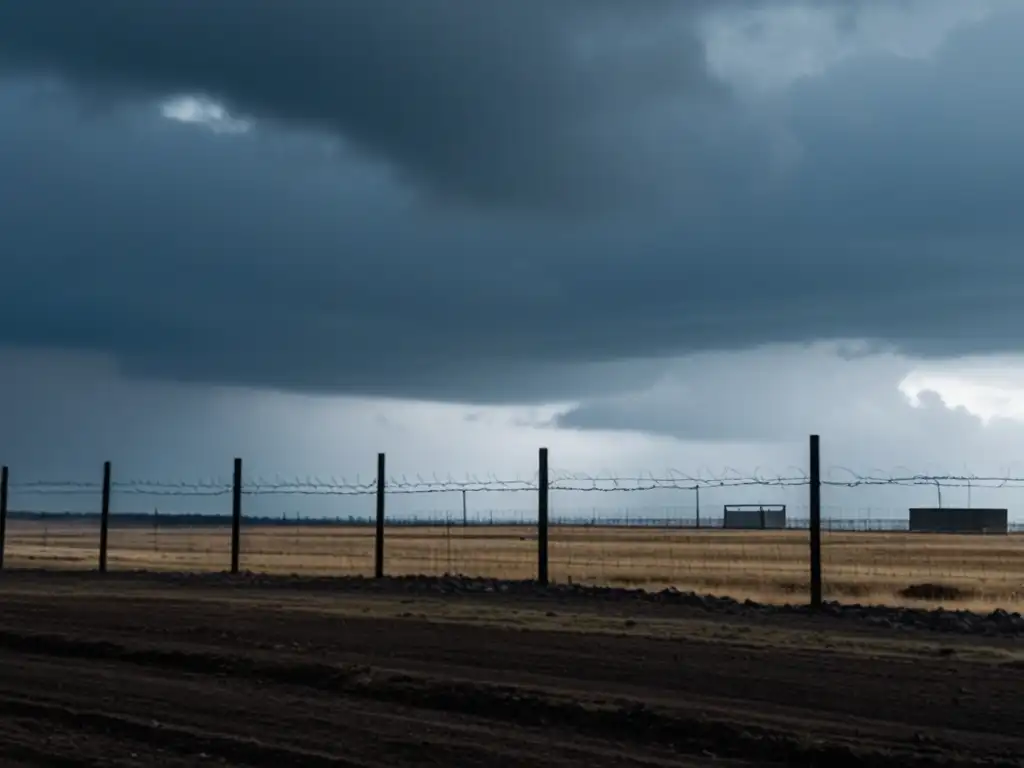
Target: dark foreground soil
128	673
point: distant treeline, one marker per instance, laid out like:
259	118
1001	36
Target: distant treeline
192	520
168	519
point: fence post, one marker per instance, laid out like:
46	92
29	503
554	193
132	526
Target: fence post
104	517
815	524
236	515
3	513
378	555
542	517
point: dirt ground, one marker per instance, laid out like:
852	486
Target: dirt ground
768	566
135	670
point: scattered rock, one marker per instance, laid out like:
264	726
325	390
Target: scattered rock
930	591
997	623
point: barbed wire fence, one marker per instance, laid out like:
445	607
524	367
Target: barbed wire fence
172	535
574	481
134	491
686	506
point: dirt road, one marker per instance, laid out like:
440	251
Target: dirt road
124	671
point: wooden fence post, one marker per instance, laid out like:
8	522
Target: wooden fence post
236	516
815	523
542	517
104	517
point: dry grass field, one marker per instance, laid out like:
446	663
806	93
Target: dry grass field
769	566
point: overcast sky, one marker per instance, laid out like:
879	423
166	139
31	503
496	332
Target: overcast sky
648	235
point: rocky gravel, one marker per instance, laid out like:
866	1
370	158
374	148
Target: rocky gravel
997	623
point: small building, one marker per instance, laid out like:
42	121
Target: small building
958	520
754	516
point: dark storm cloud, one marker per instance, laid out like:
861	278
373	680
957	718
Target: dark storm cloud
262	259
515	102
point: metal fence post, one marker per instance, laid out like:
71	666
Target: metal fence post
815	523
378	555
542	517
105	517
236	516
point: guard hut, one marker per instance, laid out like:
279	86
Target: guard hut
958	520
756	517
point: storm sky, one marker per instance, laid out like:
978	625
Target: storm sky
648	235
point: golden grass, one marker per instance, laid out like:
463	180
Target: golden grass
769	566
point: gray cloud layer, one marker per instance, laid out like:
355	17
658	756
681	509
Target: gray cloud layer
779	394
878	200
519	103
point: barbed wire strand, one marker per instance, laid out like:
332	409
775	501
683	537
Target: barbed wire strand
839	477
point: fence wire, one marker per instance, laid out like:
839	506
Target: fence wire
674	531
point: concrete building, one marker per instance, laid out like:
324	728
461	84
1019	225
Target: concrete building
754	516
958	520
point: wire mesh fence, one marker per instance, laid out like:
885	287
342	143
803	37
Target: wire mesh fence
439	547
47	525
308	548
191	544
52	541
745	563
745	537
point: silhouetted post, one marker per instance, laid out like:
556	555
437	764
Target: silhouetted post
378	555
105	517
542	517
465	518
815	524
3	513
236	516
696	491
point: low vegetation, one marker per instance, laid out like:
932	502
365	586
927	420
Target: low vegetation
977	572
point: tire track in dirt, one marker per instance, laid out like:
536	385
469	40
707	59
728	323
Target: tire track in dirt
931	693
247	751
633	722
32	741
187	710
425	693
